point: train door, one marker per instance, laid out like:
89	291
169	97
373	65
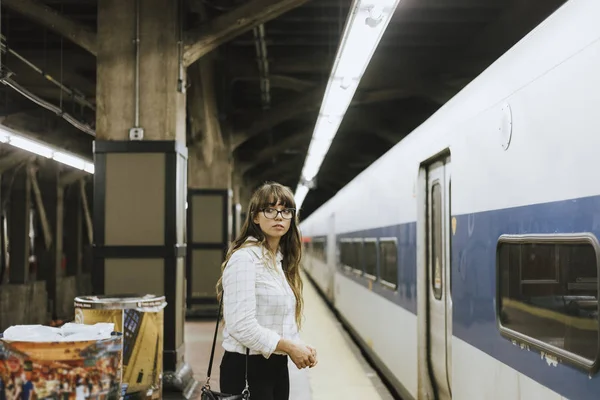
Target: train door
439	300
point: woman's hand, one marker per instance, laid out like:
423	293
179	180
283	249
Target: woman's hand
300	354
314	354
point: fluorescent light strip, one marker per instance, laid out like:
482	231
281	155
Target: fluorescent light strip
300	195
15	139
363	31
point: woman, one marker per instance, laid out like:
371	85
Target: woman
262	299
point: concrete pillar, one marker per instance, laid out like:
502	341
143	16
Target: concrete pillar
3	234
140	185
216	175
209	195
19	220
209	227
242	190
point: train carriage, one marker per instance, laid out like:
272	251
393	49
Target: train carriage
465	260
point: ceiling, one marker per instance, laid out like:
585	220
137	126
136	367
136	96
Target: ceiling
431	50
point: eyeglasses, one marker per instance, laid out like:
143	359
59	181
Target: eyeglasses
271	213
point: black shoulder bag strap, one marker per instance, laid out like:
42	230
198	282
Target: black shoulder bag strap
212	353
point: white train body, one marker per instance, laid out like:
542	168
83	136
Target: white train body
515	159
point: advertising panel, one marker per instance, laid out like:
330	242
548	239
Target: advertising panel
77	370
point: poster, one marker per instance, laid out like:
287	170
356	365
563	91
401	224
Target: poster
61	370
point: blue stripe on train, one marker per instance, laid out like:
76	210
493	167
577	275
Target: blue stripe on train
474	284
474	281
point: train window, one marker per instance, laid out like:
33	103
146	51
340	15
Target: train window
358	256
346	256
538	263
548	294
437	254
343	253
318	250
388	258
370	257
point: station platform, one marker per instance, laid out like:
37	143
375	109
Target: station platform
341	373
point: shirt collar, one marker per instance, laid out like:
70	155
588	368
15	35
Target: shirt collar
260	251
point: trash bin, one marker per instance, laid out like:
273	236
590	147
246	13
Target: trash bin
77	368
141	319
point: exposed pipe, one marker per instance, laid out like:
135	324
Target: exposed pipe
181	72
263	65
137	132
77	97
137	63
76	123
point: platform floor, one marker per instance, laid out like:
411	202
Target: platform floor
342	373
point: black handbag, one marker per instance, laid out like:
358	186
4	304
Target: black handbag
208	394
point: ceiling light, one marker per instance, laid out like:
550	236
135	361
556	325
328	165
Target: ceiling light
30	146
300	195
366	24
39	148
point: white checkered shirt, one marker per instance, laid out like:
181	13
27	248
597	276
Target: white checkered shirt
259	306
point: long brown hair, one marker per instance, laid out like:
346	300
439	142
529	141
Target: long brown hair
265	196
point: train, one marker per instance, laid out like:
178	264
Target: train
465	260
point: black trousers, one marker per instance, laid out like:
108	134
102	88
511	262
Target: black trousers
268	379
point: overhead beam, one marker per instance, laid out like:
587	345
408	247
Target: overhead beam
239	65
200	41
53	20
311	101
202	110
287	169
315	63
357	120
295	140
304	103
291	169
282	82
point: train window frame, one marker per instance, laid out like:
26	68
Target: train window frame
562	355
384	283
366	274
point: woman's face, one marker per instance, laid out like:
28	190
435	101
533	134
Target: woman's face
274	221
